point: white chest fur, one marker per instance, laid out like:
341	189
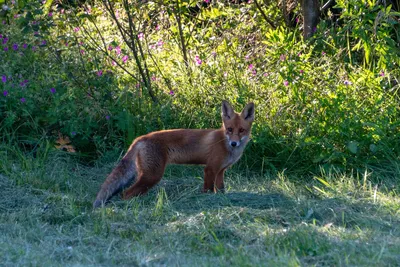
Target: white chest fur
234	155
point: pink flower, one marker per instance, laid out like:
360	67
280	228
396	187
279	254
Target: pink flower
125	58
301	71
282	57
141	36
198	60
285	83
265	74
382	74
113	63
76	29
157	27
110	48
206	1
99	73
82	51
153	78
50	14
323	53
251	66
160	43
118	50
171	92
62	11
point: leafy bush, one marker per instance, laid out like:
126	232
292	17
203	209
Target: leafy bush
332	100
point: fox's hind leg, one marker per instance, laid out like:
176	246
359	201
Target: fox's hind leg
150	168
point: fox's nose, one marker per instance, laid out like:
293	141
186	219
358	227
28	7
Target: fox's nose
233	143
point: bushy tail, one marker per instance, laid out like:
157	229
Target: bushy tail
123	175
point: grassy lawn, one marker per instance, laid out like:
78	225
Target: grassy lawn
46	218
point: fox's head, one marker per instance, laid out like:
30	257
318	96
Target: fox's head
237	126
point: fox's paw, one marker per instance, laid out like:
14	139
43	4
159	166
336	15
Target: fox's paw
97	203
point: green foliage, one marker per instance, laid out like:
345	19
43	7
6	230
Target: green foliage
332	100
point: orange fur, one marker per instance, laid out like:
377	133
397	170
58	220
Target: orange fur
149	154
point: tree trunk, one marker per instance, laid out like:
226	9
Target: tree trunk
310	9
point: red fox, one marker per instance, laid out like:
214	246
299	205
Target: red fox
148	155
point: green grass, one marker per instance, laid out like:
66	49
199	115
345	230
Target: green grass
46	218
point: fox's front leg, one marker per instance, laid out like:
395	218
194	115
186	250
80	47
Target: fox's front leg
209	178
219	182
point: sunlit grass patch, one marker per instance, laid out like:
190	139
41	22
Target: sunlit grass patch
276	219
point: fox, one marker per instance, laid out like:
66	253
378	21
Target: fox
144	163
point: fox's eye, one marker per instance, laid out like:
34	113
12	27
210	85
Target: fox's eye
230	129
241	130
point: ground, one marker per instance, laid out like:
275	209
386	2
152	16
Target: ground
268	219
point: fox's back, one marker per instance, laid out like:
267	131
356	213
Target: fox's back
184	146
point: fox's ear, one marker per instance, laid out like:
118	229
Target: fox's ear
227	110
248	112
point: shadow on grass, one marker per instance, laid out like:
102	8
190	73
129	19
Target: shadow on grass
349	213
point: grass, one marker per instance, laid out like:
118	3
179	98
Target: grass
46	218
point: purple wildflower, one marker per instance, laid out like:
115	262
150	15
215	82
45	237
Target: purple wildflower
110	48
3	78
125	58
15	47
251	66
153	78
107	117
76	29
6	48
82	51
99	73
171	92
50	14
25	46
53	90
285	83
5	40
5	93
382	73
73	133
23	100
346	82
301	71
